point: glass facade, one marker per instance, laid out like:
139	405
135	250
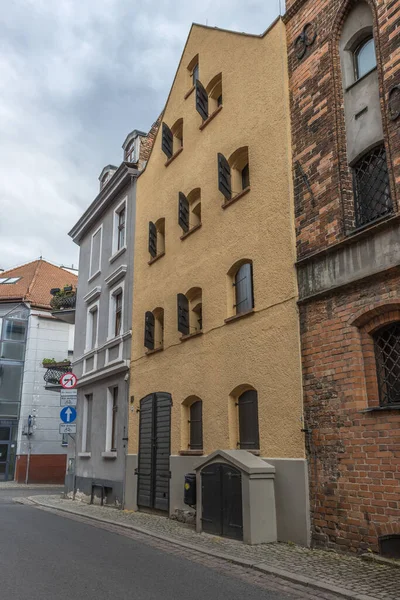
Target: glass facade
13	330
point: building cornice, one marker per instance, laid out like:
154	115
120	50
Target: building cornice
106	196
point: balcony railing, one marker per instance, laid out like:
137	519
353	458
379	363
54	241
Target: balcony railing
55	371
64	302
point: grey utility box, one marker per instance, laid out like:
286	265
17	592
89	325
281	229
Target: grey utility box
236	496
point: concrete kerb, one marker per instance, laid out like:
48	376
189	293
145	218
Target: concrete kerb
257	566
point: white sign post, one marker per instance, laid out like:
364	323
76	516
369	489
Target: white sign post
68	397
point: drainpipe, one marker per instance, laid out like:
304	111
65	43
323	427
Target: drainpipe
28	462
125	438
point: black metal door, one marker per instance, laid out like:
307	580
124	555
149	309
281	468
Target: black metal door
222	500
154	451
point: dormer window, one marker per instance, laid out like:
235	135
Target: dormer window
106	175
130	152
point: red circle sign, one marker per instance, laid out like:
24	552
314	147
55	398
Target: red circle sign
68	381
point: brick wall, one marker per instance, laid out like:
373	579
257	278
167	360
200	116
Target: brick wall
319	145
354	456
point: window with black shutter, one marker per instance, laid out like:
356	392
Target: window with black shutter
224	176
387	355
177	135
372	198
152	239
183	212
149	330
214	92
243	285
248	421
183	314
196	426
167	141
245	177
201	100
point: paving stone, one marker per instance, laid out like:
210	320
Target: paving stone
361	580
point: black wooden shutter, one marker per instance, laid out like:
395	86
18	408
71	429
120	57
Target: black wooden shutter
224	176
167	143
244	288
152	239
183	314
149	330
248	421
183	212
196	426
201	100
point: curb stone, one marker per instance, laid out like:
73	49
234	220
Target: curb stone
257	566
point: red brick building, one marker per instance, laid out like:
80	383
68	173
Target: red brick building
344	64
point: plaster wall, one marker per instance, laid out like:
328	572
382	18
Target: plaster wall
261	350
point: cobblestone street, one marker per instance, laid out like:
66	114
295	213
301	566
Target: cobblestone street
348	575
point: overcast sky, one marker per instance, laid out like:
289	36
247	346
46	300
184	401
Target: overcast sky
76	77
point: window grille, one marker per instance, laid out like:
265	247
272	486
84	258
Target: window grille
371	187
387	355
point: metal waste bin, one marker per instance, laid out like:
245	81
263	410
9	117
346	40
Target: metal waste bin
189	496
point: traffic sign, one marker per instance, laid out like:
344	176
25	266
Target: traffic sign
68	381
65	428
68	397
68	414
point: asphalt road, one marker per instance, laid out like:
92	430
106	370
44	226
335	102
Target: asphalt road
45	556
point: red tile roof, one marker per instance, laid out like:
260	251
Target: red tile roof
37	279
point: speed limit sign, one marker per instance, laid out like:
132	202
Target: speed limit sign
68	381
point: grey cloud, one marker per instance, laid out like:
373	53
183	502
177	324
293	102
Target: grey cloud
76	78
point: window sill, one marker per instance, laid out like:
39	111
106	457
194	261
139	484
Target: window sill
110	454
236	198
116	254
242	315
189	93
149	352
173	157
191	452
210	118
361	78
84	454
255	452
92	277
183	338
381	408
156	258
195	228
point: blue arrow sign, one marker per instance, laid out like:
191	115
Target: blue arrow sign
68	414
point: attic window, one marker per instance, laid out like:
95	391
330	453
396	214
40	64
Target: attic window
130	154
9	279
105	179
214	91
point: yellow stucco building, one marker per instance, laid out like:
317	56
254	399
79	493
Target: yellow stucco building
215	358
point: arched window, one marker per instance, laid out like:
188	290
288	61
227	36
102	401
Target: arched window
177	132
241	284
364	57
234	174
387	355
192	424
190	312
193	70
156	244
248	421
214	91
154	329
189	210
362	115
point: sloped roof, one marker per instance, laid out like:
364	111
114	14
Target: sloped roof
37	279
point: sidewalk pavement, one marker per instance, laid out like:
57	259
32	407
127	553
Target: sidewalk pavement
342	574
13	485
